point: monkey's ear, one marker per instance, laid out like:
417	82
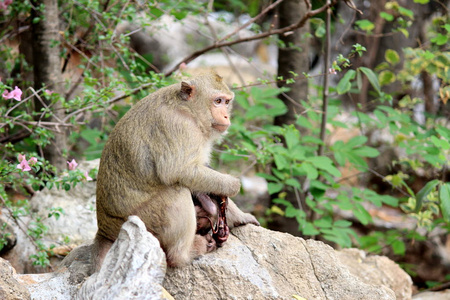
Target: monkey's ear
218	78
186	91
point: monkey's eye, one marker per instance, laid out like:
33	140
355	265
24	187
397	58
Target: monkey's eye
218	101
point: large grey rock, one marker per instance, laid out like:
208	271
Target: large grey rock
10	288
377	270
257	263
134	267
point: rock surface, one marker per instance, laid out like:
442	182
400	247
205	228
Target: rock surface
78	222
257	263
134	268
10	288
377	270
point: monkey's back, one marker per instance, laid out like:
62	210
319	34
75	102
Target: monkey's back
128	181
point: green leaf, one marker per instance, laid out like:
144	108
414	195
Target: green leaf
421	1
440	39
280	161
392	56
372	78
389	200
291	212
309	229
423	193
229	157
274	188
406	12
344	84
444	197
404	31
310	171
292	137
276	210
267	176
399	247
293	182
386	77
361	214
342	223
356	141
323	222
386	16
365	25
366	151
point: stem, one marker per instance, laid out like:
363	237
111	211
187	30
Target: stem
325	81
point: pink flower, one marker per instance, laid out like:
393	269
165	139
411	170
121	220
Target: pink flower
32	161
72	165
332	71
16	94
21	157
86	175
5	4
24	166
49	92
182	66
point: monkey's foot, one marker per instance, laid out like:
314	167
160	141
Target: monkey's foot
210	243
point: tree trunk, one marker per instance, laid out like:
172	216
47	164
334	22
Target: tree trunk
47	71
293	57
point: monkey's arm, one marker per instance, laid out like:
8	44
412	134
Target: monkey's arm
183	159
202	179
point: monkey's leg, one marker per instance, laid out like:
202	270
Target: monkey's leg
99	250
236	217
178	238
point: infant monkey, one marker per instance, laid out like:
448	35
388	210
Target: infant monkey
156	157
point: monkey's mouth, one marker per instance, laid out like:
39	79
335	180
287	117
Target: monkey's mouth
220	127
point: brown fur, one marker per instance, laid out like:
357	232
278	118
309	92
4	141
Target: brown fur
154	158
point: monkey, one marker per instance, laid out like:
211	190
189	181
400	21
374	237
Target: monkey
155	158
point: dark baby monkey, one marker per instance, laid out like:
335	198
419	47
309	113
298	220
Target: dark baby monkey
155	157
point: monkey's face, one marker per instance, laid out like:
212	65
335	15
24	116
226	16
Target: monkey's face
220	112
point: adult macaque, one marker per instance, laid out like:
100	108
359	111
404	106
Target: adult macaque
155	157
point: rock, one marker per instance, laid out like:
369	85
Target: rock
7	232
257	263
134	268
78	222
10	288
378	270
442	295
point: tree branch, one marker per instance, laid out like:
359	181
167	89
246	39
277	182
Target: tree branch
283	30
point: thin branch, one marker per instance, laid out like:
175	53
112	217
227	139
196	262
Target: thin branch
283	30
267	9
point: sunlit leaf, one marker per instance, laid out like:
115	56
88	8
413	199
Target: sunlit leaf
344	84
392	56
423	193
444	196
372	78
